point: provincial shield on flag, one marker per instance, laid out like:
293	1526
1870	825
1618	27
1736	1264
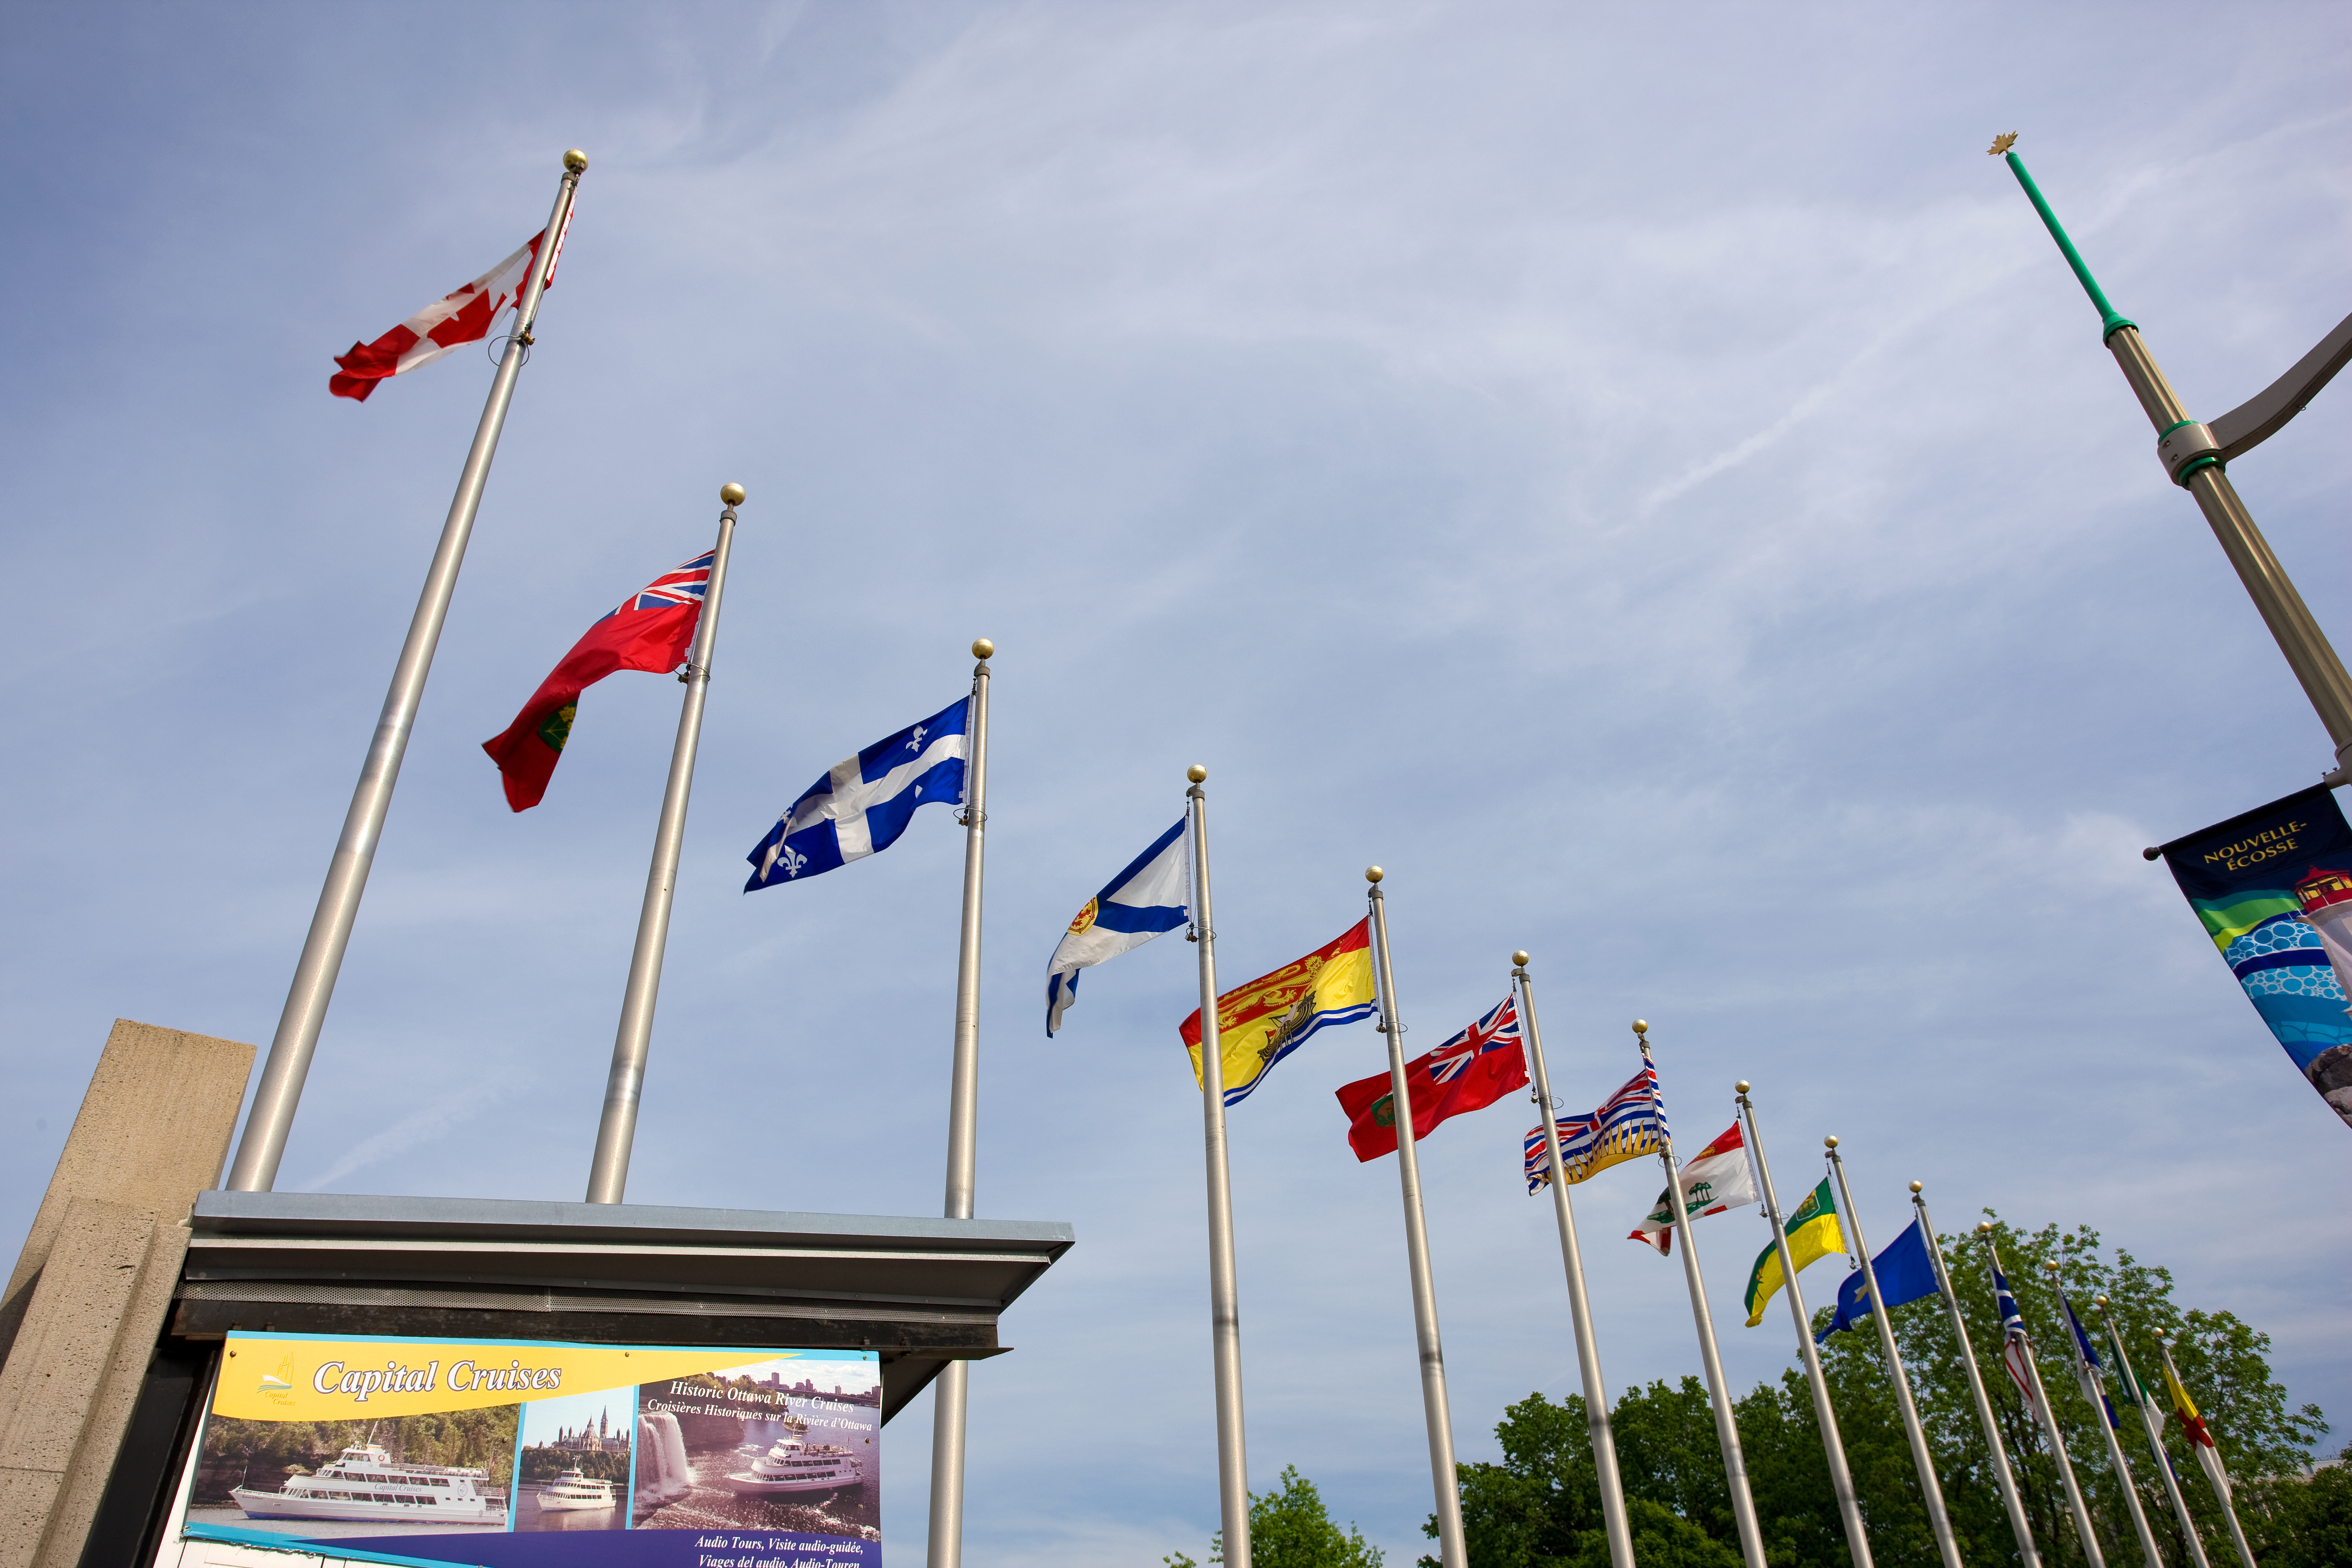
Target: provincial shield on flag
1262	1022
1718	1180
2274	888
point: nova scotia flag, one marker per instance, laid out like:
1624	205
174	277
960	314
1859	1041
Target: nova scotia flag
862	805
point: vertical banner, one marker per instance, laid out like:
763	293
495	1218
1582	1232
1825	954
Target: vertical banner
2273	887
531	1454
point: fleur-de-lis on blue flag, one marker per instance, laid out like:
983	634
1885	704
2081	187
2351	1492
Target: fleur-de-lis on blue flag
862	804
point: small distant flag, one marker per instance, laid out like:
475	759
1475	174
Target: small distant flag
2089	1371
2015	1349
2193	1426
1719	1179
1813	1234
1262	1022
1905	1271
459	316
1151	896
1468	1073
862	802
652	629
1629	1122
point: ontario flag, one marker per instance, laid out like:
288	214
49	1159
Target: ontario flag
1468	1073
652	630
459	316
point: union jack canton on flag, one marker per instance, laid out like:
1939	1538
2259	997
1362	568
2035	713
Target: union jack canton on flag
1629	1122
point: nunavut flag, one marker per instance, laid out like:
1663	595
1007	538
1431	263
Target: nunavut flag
1262	1022
652	630
461	316
1468	1073
2273	889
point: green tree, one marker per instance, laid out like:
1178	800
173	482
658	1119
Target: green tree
1290	1528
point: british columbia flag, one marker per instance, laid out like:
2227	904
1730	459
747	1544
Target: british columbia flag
1629	1123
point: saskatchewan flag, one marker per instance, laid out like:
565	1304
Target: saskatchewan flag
1262	1022
1813	1234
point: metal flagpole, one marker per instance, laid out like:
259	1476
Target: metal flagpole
2216	1475
1727	1428
1224	1294
949	1389
2090	1388
2085	1535
617	1131
1938	1521
1580	1309
1833	1446
2193	453
2148	1420
2010	1498
264	1143
1451	1550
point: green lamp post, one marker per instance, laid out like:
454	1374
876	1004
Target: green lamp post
2196	456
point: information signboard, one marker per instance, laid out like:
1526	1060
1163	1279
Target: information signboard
529	1454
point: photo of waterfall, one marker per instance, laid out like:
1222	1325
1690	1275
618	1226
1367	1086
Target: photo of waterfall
777	1444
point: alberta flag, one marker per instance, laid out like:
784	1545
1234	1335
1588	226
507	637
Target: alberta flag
1152	895
862	804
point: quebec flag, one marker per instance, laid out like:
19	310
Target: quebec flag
1152	895
862	805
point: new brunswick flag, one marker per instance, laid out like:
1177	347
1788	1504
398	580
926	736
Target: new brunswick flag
1262	1022
1813	1234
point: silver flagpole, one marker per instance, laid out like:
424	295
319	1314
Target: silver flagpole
949	1391
264	1143
2090	1387
1580	1309
2138	1391
1452	1552
617	1131
2217	1474
1727	1429
2086	1537
1833	1446
2010	1498
1938	1521
1224	1293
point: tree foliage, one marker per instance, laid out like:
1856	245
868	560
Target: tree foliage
1290	1528
1539	1507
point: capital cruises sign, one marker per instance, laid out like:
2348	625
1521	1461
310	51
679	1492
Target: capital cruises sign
515	1453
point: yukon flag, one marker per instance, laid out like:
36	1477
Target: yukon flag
1717	1181
459	316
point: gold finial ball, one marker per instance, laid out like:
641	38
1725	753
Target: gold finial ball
1196	773
1919	1186
1520	959
2051	1267
1984	1226
1641	1026
2100	1302
1829	1141
1740	1087
1373	873
576	160
982	649
732	494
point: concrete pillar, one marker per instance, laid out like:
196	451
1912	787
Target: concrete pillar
90	1291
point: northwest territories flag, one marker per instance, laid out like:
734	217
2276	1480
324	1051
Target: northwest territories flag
862	804
1152	895
2275	889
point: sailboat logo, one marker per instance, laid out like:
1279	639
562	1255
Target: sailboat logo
280	1380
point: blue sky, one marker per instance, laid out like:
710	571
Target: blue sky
1644	478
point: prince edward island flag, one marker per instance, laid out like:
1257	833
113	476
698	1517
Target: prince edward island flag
2275	889
862	805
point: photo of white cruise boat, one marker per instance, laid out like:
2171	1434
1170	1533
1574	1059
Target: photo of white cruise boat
367	1483
573	1490
793	1465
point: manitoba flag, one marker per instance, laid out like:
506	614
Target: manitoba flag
1468	1073
652	630
461	316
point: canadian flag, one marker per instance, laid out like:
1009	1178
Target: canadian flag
461	316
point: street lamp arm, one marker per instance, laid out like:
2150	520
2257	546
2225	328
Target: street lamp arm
2260	417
